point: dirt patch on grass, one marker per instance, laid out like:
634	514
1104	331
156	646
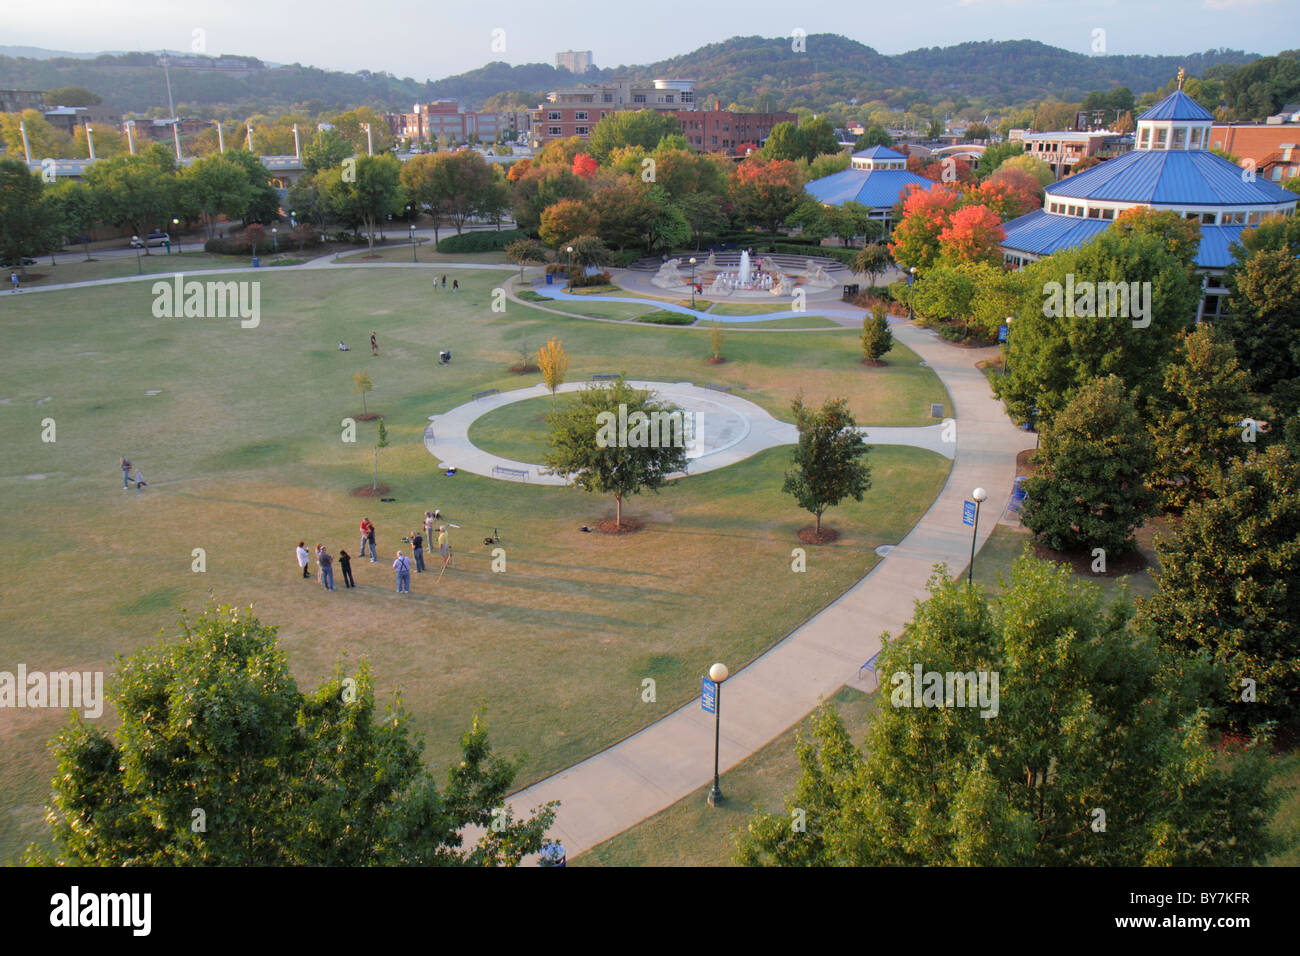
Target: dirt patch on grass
810	535
365	491
1025	464
629	525
1081	561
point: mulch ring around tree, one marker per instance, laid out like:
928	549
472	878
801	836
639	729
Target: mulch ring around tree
809	535
523	369
365	491
1081	561
716	359
609	526
1025	465
873	363
367	417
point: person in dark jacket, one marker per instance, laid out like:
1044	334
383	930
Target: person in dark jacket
345	565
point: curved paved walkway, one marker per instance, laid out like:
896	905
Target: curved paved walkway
654	768
749	429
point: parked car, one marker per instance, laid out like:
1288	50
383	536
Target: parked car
153	239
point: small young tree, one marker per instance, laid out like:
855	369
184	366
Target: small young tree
1090	489
554	363
877	339
610	439
715	339
381	442
362	386
256	235
827	461
872	260
524	252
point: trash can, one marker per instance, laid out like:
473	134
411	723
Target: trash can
550	279
256	263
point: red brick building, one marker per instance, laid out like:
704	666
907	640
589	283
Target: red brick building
720	131
1274	148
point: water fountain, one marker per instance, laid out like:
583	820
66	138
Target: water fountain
743	273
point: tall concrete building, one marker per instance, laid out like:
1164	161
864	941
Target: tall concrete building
575	61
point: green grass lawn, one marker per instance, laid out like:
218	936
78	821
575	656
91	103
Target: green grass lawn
793	322
242	447
75	268
597	310
692	833
747	308
1006	543
401	252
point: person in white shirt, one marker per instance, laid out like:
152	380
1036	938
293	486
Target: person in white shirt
303	558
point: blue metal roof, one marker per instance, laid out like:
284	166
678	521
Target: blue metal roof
878	152
1177	106
874	188
1043	233
1171	177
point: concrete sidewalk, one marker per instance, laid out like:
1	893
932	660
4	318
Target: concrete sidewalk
649	771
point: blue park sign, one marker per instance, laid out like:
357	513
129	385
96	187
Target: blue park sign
708	696
968	513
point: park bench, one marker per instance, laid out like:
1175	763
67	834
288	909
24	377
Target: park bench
512	474
485	393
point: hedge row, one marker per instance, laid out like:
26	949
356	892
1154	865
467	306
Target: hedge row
481	240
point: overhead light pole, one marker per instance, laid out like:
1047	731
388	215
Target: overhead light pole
717	673
979	494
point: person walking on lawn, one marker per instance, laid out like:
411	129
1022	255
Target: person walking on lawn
126	472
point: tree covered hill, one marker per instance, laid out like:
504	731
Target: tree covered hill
756	72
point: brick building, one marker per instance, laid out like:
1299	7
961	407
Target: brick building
721	131
1274	148
444	118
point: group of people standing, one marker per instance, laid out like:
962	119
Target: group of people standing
401	563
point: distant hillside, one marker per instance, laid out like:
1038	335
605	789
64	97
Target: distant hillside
753	71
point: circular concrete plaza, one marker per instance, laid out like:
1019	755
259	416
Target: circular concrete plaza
728	429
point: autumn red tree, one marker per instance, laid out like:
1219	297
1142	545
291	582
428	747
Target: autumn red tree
972	235
584	166
766	192
925	214
1017	193
518	169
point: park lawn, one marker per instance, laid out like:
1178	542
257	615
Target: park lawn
792	322
243	453
747	308
692	833
1007	541
598	310
75	268
394	251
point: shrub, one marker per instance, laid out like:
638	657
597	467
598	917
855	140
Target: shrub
485	240
667	318
582	279
227	247
625	257
305	236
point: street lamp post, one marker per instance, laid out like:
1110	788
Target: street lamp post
135	241
692	282
176	223
275	240
413	242
979	494
1007	367
911	277
570	271
717	673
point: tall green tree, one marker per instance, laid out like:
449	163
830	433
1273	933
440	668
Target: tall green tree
873	136
1052	352
366	198
644	128
1090	487
1229	587
220	760
829	463
26	218
611	440
216	186
1195	423
136	191
1097	754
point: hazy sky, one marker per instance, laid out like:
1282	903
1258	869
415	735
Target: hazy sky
435	38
